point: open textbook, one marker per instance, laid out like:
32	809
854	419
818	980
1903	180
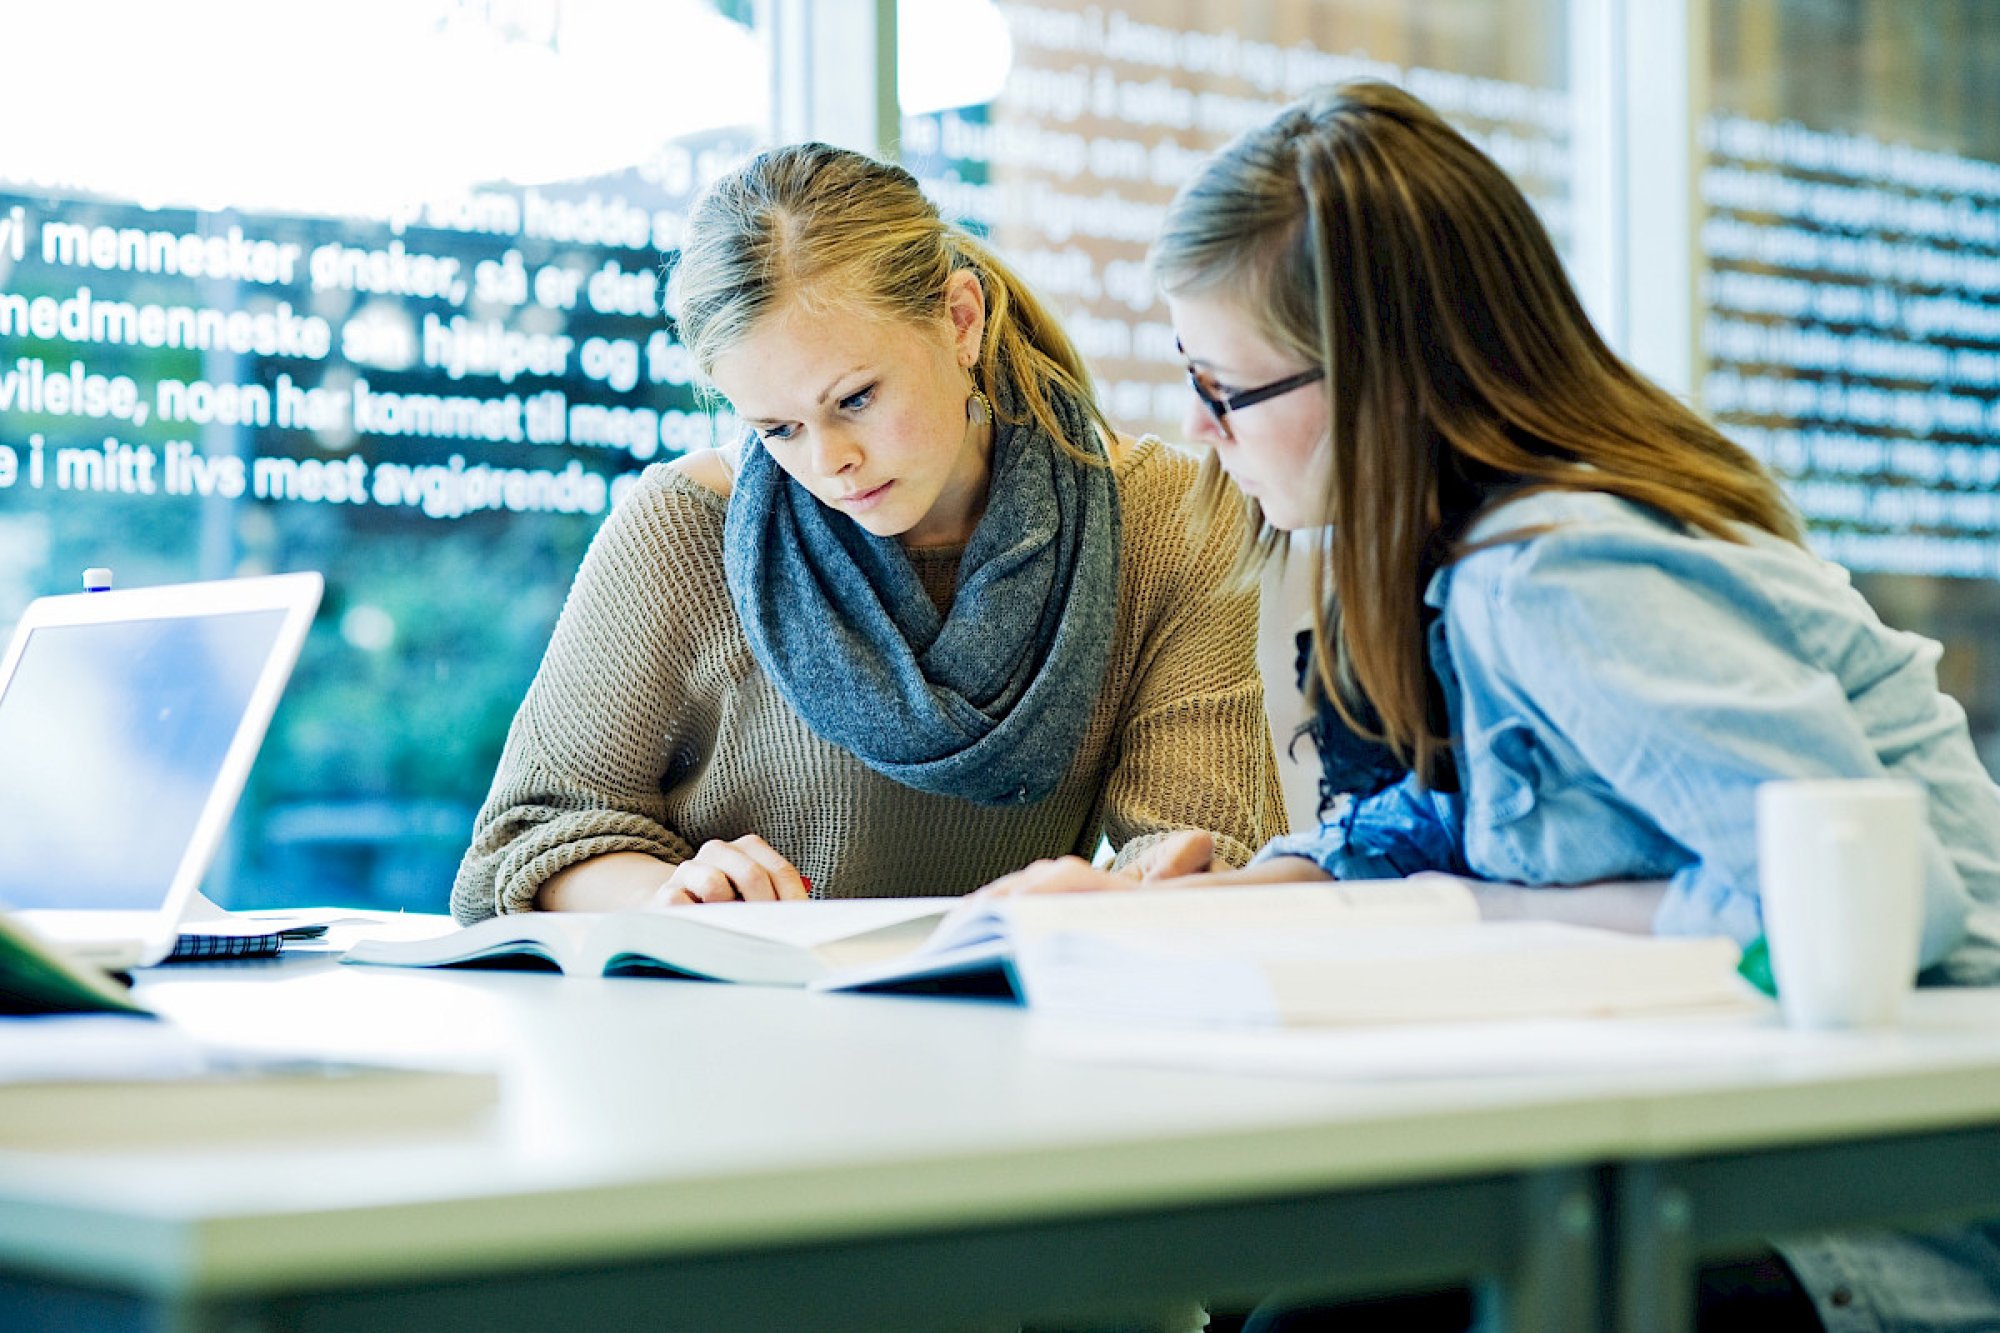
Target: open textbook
1377	951
771	944
1357	952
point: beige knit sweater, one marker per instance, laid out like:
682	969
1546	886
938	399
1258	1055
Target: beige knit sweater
650	728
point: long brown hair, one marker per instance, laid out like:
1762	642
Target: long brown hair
1362	233
832	228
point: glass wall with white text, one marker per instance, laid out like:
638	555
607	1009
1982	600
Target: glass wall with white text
1849	305
390	312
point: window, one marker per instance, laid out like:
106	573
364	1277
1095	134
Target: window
1064	130
390	312
1850	296
257	314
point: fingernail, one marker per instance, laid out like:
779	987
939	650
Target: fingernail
807	881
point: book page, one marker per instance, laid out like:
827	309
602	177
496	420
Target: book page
1500	970
556	936
773	943
1418	900
808	925
1384	974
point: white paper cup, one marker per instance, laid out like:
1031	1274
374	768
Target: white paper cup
1840	869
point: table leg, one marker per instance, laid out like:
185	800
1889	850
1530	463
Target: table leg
1652	1262
1558	1281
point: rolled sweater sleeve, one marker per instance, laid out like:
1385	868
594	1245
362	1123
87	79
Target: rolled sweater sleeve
620	701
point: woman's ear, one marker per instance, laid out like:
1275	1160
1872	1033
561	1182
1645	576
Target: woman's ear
965	303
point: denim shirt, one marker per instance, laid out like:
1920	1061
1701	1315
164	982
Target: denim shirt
1619	685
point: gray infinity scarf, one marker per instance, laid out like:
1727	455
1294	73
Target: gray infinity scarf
988	703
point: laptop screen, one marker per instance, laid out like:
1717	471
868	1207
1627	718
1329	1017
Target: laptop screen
111	739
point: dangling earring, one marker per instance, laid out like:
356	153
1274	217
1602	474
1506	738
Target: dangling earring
978	408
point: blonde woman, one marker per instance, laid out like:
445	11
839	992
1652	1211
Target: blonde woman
929	621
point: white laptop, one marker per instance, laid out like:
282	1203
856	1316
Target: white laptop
128	723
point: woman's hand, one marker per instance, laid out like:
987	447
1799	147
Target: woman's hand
745	869
1064	874
1183	852
1179	854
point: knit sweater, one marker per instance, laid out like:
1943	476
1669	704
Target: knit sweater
650	728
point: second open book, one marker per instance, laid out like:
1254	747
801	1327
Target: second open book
1359	952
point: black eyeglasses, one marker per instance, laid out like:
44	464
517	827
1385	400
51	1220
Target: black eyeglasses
1220	404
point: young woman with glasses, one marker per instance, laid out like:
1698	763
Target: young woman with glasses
1563	626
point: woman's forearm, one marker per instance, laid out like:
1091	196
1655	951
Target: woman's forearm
614	882
1277	870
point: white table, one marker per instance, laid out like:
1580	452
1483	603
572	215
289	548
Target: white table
1833	1131
1735	1129
684	1155
687	1155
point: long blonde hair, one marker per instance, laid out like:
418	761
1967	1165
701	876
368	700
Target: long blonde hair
829	228
1363	234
